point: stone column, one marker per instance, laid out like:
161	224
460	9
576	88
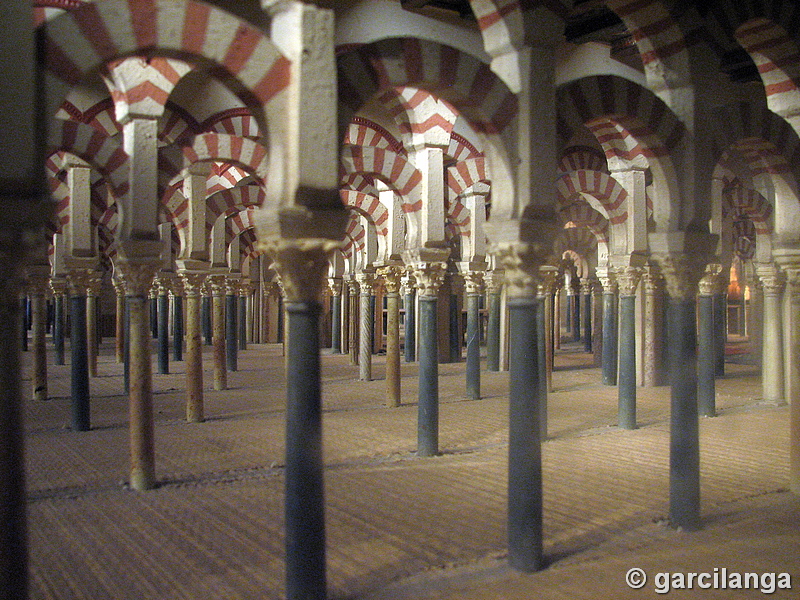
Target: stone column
410	325
355	320
720	321
231	325
335	284
429	268
193	284
586	291
557	318
772	282
682	276
653	327
793	376
391	282
366	282
345	331
153	295
138	279
543	291
176	291
474	285
242	293
92	293
59	287
454	337
576	312
628	280
706	346
207	327
79	281
37	286
610	349
119	319
755	321
302	265
162	313
218	290
522	262
597	324
494	283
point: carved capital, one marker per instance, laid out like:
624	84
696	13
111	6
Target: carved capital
335	285
494	281
429	266
193	284
628	280
607	280
652	281
772	280
391	278
681	274
366	283
79	281
302	265
521	262
138	277
58	285
709	282
473	281
587	286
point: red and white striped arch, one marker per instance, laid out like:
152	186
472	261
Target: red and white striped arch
234	121
778	60
237	223
586	158
142	86
597	184
44	10
423	118
464	174
98	149
581	214
744	201
355	238
391	168
575	239
462	80
100	116
503	24
364	132
461	148
94	34
234	200
241	152
370	206
458	218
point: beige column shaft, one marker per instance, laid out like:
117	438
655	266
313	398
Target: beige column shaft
354	322
119	324
366	282
391	277
193	284
218	289
772	353
653	328
39	310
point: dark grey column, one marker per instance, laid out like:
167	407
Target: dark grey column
126	349
80	362
541	345
473	337
628	281
304	500
587	316
525	538
428	419
706	385
720	331
154	315
576	316
242	300
568	324
493	326
23	304
410	325
177	327
205	317
684	481
336	321
231	332
163	331
58	328
609	332
455	330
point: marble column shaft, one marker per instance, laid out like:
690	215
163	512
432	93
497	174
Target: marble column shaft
193	284
391	281
218	290
366	283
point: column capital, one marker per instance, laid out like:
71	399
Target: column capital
681	273
607	279
352	285
335	285
408	283
366	282
429	266
628	280
193	283
232	284
302	265
521	262
652	280
79	281
772	279
138	277
391	275
176	288
587	285
58	285
217	284
473	281
710	281
494	280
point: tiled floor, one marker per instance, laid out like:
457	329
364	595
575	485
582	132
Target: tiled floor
398	526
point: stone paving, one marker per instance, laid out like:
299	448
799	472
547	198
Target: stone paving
398	526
